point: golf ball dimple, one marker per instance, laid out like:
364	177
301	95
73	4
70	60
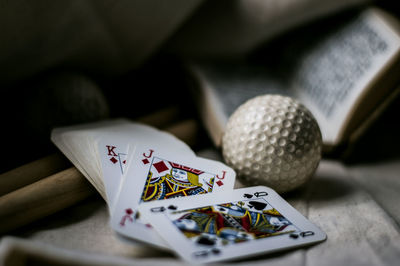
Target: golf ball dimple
272	140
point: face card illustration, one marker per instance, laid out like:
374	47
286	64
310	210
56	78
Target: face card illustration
167	179
155	175
230	225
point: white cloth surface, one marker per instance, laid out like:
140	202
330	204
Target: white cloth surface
102	36
110	38
235	27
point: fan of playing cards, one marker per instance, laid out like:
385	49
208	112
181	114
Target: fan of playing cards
160	193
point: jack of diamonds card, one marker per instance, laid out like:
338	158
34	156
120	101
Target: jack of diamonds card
168	179
158	174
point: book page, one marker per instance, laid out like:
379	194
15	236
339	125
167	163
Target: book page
334	75
238	83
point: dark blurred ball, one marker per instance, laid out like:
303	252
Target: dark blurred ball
64	99
31	109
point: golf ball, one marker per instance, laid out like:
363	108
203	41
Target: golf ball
272	140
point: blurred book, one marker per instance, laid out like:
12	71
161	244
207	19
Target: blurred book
345	73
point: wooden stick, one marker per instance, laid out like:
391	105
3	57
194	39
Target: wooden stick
161	118
61	190
187	131
32	172
42	198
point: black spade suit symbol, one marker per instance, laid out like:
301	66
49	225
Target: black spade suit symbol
206	241
257	205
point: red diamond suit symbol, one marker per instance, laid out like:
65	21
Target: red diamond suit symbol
160	166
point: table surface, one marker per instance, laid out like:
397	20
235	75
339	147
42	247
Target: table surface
356	205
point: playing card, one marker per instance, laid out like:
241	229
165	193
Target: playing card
114	148
72	141
80	145
230	225
113	153
157	174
